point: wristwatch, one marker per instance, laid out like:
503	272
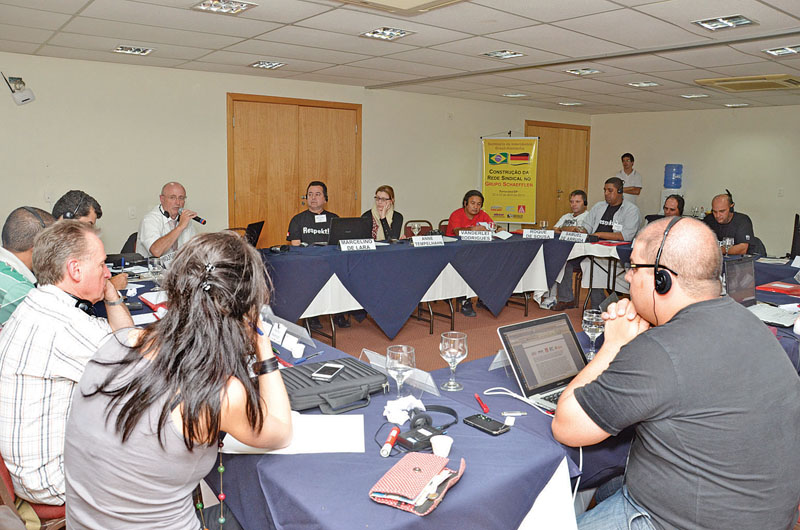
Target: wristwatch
265	367
115	302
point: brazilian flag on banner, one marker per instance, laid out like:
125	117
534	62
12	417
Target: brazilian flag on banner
498	158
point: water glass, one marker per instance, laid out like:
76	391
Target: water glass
593	325
415	228
400	364
156	268
453	349
543	224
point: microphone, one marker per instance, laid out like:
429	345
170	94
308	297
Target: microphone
195	218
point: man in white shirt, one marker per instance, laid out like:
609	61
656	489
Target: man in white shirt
168	226
44	348
569	222
632	180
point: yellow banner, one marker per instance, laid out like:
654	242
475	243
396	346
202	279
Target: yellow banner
509	179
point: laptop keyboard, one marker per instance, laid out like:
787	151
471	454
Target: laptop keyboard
553	398
773	315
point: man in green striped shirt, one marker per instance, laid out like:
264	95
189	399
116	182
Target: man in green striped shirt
16	256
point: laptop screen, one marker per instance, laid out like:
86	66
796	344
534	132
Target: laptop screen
349	228
740	280
544	353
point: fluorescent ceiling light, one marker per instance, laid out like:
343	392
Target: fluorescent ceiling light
643	84
694	96
503	54
224	7
737	105
269	65
583	71
569	103
514	95
786	50
387	33
133	50
733	21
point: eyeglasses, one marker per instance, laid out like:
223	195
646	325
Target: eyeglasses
382	199
176	197
634	266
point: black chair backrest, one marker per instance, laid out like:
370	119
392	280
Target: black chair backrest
130	245
795	251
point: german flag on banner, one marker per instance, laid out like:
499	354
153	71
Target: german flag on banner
498	158
519	158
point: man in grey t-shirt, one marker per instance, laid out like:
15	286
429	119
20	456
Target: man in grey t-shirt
715	399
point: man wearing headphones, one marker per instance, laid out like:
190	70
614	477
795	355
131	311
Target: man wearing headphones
570	221
470	216
77	204
727	223
16	256
168	226
314	224
44	348
692	371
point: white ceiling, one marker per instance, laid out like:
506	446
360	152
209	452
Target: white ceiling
628	40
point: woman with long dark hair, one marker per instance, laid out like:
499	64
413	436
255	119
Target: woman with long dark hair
150	406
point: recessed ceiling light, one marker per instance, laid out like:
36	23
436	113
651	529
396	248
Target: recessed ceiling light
583	71
694	96
733	21
386	33
737	105
224	7
503	54
643	84
786	50
133	50
514	95
269	65
569	103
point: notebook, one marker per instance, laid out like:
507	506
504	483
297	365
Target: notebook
349	228
544	356
740	284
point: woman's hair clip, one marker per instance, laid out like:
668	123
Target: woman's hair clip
205	286
210	267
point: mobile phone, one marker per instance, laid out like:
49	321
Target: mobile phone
484	423
327	371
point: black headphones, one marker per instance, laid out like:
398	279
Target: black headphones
74	213
84	305
661	275
165	214
730	198
35	214
420	418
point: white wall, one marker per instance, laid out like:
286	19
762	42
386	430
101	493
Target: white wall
119	132
752	152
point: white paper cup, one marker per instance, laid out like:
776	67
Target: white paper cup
441	445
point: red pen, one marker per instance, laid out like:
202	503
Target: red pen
390	440
484	408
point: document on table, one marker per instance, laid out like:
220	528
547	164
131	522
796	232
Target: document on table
145	318
313	433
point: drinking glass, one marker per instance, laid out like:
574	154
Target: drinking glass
156	268
453	350
593	325
400	363
415	228
727	243
543	224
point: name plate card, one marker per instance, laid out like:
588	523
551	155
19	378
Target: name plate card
427	241
528	233
356	244
575	237
478	235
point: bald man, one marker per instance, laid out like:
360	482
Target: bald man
692	371
164	229
727	223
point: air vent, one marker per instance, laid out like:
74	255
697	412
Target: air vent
403	7
752	82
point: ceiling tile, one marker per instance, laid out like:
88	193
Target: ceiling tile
283	11
776	97
20	16
755	47
623	80
369	75
553	90
757	68
134	32
446	59
108	57
294	51
591	85
548	10
605	71
790	6
709	57
686	76
640	30
538	75
69	7
355	23
643	63
246	59
421	89
184	19
107	44
558	40
338	80
334	41
18	47
394	65
477	46
232	69
456	84
473	18
19	33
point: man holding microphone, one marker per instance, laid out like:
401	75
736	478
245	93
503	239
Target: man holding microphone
167	226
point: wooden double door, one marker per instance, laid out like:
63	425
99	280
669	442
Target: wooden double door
563	166
276	146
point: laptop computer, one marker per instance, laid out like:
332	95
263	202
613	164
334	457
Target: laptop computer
349	228
740	284
544	356
253	232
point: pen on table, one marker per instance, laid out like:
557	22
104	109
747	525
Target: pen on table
484	408
301	361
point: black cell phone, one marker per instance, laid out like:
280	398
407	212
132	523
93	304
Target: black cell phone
484	423
134	306
327	371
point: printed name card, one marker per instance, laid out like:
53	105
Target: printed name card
528	233
479	235
356	244
427	241
575	237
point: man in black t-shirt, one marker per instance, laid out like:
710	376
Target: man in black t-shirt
312	225
691	370
727	223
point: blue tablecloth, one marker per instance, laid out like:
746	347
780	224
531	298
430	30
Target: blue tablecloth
768	272
390	281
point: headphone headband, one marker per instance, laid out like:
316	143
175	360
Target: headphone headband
663	281
74	213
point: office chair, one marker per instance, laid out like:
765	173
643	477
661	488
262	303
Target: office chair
52	517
